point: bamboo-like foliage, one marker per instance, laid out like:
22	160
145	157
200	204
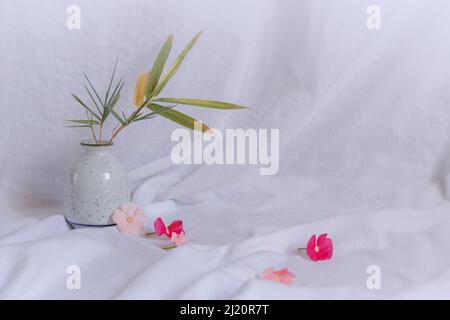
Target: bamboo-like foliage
146	98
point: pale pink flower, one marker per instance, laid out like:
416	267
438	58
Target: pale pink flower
282	276
130	220
178	239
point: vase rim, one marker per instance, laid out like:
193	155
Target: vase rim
90	143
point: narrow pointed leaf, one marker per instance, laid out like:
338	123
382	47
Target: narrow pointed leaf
177	117
93	89
175	65
158	66
146	117
117	116
154	114
85	106
93	100
87	122
110	83
161	109
80	126
116	90
111	107
202	103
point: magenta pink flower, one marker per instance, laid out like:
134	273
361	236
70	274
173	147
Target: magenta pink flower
283	275
130	220
176	226
322	249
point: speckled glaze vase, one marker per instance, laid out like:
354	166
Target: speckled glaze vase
97	186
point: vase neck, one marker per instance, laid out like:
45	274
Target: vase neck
93	147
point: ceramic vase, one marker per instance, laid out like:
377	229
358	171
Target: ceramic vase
97	186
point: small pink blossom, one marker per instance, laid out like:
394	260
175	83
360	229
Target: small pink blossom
130	220
174	227
178	239
322	249
282	276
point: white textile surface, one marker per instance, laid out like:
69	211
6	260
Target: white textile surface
364	148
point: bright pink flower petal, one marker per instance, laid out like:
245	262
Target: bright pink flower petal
160	227
311	248
322	249
322	239
176	226
326	247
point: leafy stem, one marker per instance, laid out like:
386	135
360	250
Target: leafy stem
146	97
126	122
103	107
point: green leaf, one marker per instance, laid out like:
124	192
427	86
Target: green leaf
153	114
116	91
134	116
117	116
110	107
158	66
177	117
93	89
81	126
93	100
110	83
202	103
161	109
175	65
113	100
85	106
145	117
87	122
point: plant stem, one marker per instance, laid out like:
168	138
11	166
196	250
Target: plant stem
128	121
100	134
169	248
116	132
93	134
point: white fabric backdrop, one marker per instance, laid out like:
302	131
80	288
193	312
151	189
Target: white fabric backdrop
363	118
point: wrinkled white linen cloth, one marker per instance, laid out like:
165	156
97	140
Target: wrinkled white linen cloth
408	246
364	148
